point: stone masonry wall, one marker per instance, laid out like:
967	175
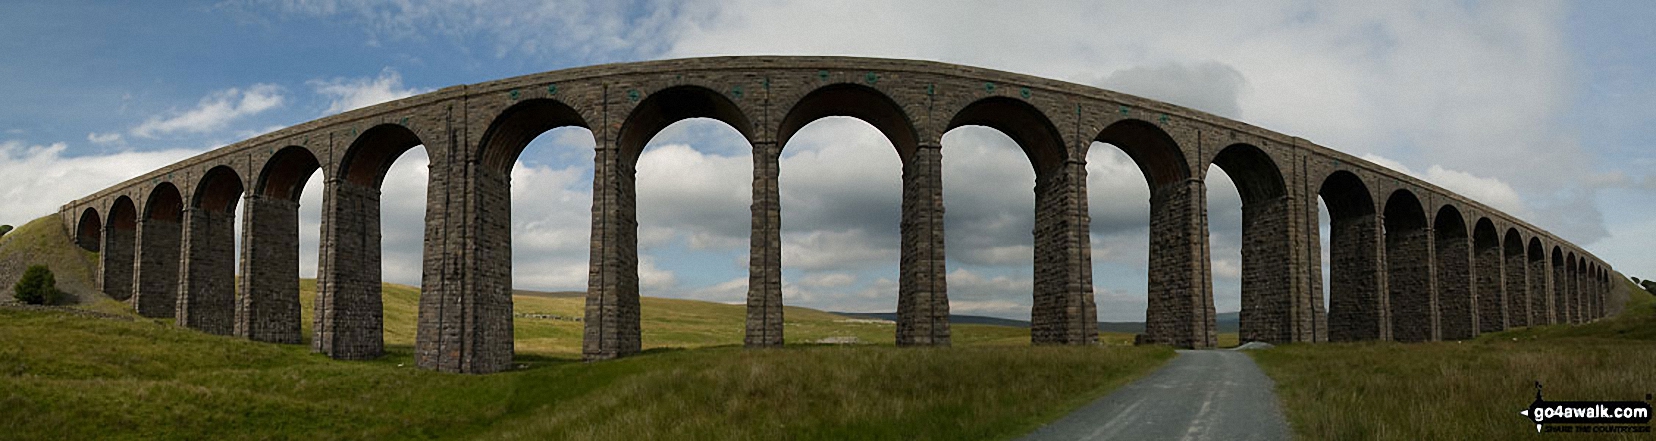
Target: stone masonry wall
764	300
1409	280
157	268
1517	277
1063	307
1267	303
1357	298
349	313
922	296
1455	302
207	291
1490	294
1180	310
268	307
115	262
612	286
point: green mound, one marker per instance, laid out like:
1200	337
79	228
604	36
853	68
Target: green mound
44	242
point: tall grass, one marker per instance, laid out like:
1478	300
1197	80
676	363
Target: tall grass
1465	390
68	377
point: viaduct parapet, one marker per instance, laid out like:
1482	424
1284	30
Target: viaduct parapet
1409	261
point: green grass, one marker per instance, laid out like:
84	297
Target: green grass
1466	390
68	377
43	242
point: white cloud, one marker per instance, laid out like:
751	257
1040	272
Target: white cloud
36	179
355	93
1490	191
214	112
104	138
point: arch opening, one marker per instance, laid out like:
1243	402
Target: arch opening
1259	243
1158	157
115	270
863	103
89	230
1559	307
209	268
160	234
1357	307
1030	129
1409	269
668	106
841	195
1516	279
269	302
349	316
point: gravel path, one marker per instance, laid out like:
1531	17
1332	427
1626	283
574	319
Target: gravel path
1200	395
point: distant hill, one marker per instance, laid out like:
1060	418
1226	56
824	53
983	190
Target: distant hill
1227	321
953	318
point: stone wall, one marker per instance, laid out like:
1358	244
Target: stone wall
115	265
1490	294
1409	280
268	307
207	290
349	321
157	268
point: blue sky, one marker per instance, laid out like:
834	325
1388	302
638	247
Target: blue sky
1538	108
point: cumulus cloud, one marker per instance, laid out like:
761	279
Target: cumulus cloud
214	112
1208	86
36	179
355	93
1490	191
104	138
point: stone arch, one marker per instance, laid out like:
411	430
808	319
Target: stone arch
1155	152
1409	266
160	236
1063	311
1452	253
115	264
612	320
1539	297
856	101
1515	278
1357	300
284	175
922	300
349	320
506	138
1270	313
1560	287
1487	292
89	230
667	106
1031	129
208	297
371	154
268	308
515	127
1180	296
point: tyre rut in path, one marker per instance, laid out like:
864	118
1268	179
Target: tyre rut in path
1200	395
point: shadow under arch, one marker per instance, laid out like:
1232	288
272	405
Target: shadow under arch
1409	269
208	301
1559	308
349	319
508	135
89	230
1358	306
267	308
1452	255
160	232
1536	254
922	301
1270	311
1515	277
612	308
1064	310
119	247
1490	297
1179	289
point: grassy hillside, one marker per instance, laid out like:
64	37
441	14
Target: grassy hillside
43	242
68	377
1463	390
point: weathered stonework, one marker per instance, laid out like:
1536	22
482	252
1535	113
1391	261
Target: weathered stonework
267	308
1382	279
922	296
206	295
156	268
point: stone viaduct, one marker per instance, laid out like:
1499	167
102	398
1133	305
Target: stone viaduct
1410	261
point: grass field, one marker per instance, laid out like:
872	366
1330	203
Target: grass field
68	377
1464	390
